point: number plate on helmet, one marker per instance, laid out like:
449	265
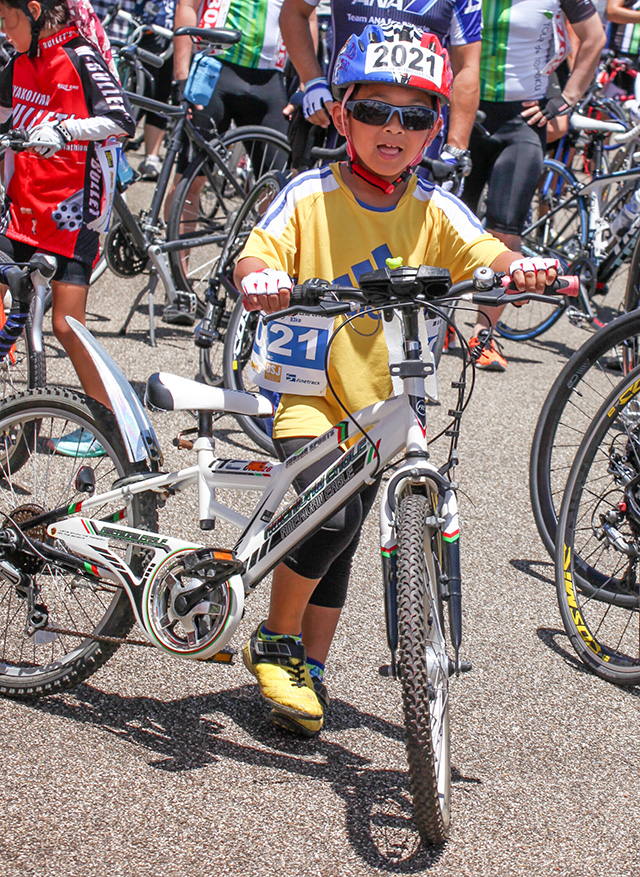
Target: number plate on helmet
404	59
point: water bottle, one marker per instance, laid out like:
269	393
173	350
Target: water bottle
125	171
627	215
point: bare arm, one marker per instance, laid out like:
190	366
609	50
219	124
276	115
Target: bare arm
186	15
296	33
592	41
617	13
465	62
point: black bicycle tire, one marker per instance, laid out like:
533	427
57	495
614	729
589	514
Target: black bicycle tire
71	665
27	372
532	320
430	777
570	385
255	133
273	182
237	346
575	578
632	290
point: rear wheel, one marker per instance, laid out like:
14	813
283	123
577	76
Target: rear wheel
205	201
423	667
598	540
49	621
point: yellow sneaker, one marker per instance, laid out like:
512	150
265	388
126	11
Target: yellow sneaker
303	727
283	676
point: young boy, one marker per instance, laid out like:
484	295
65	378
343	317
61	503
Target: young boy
334	223
61	91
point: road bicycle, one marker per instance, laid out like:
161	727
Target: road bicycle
598	540
81	557
181	252
571	221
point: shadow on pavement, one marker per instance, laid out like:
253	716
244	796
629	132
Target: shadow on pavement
550	637
535	569
190	733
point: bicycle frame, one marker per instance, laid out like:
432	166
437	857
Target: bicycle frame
378	435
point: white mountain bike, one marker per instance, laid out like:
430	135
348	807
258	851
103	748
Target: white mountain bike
81	557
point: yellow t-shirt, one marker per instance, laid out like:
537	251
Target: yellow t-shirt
317	228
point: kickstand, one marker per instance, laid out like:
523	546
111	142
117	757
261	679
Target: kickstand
149	290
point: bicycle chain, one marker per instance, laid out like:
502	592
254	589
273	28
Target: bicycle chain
100	637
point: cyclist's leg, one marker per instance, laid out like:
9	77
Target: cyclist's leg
70	287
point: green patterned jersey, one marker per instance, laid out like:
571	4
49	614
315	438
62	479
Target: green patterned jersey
261	45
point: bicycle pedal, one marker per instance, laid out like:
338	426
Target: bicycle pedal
224	656
387	670
204	337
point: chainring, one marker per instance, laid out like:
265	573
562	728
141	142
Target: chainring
122	255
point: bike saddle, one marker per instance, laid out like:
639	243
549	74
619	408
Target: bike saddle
167	392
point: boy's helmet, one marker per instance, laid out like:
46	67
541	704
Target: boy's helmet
398	54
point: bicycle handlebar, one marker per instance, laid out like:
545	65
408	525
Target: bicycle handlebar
18	141
22	283
221	36
402	287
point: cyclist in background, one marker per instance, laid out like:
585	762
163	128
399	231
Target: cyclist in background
522	44
336	222
456	23
61	90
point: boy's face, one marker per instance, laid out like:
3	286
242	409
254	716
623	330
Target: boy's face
389	149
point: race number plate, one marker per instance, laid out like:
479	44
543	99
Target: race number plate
404	61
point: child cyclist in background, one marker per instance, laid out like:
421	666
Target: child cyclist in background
335	222
60	89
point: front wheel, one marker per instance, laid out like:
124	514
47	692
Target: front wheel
598	540
423	667
57	627
238	345
216	315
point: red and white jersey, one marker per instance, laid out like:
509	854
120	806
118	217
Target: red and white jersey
56	203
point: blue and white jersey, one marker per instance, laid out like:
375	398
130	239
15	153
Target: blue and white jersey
454	22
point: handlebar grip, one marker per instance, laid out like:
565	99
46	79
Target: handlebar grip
142	55
568	285
319	152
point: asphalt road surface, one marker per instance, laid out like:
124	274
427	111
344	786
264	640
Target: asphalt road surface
162	767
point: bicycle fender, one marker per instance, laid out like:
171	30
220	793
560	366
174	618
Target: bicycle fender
137	433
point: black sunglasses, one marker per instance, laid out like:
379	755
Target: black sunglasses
376	112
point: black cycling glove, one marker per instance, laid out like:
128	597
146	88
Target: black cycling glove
557	106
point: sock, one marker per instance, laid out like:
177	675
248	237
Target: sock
265	634
316	668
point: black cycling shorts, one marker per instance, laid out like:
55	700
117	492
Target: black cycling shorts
327	553
245	96
510	161
69	270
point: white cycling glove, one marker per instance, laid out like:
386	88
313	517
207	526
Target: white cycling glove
316	95
52	137
536	264
267	282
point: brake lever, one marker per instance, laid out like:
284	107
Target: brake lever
329	309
